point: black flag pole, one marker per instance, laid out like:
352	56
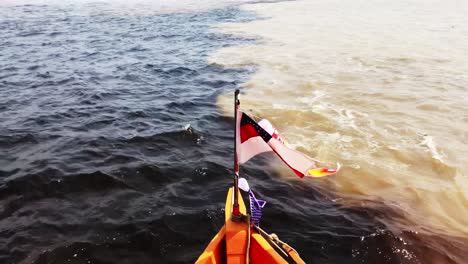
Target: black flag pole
235	211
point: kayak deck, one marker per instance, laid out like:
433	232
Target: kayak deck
237	242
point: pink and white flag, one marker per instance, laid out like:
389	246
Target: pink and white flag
255	138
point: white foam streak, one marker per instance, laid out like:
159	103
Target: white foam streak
428	141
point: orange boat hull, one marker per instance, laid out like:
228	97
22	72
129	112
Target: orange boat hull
239	243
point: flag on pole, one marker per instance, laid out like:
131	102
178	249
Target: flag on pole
249	141
255	138
256	205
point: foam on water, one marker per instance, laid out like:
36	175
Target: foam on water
429	142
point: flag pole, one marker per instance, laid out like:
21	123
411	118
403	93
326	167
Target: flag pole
235	211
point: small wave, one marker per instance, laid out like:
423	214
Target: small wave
51	183
45	75
167	239
218	83
383	243
55	34
99	124
136	114
30	34
34	67
10	68
179	71
409	247
15	140
137	49
181	105
188	135
428	141
431	107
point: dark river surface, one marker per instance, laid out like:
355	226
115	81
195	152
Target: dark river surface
113	148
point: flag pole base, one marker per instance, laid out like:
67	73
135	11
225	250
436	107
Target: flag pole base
236	215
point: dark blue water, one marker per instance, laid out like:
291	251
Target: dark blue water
113	150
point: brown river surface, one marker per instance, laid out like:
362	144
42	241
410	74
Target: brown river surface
380	86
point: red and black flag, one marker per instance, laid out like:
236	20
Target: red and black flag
255	138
